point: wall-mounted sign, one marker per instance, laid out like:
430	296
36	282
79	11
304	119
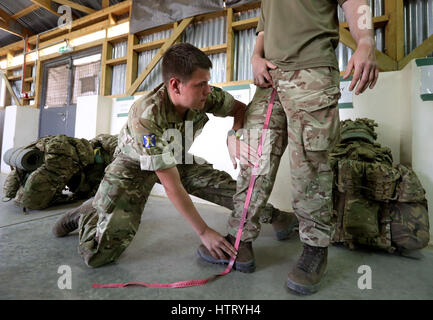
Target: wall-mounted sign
346	99
426	66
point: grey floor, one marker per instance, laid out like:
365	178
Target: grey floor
164	250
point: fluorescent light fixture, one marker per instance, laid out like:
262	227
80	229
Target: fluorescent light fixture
118	30
88	38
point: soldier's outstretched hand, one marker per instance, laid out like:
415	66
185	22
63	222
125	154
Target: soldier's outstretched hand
217	244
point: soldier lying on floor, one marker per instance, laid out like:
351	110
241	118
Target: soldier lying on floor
67	164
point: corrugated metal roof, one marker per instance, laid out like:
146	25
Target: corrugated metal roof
7	38
41	20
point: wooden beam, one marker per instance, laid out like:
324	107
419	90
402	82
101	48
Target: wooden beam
132	61
5	24
105	3
346	38
378	22
230	46
76	6
176	33
219	48
38	84
116	61
385	62
25	11
424	49
106	71
46	4
149	45
179	39
245	24
9	87
394	30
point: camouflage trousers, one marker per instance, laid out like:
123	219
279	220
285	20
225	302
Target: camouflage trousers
107	229
305	117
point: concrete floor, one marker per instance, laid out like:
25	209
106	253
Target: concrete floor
164	250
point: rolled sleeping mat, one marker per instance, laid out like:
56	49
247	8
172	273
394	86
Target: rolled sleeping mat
24	159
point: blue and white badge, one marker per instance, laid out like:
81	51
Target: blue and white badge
149	141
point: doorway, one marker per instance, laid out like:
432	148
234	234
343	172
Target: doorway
64	80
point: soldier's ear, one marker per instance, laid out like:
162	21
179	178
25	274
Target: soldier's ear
174	85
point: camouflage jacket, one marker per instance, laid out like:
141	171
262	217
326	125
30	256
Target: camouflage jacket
157	137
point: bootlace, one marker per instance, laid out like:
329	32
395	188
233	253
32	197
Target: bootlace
310	258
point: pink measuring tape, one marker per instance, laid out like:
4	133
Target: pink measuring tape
192	283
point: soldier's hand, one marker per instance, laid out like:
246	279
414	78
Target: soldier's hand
217	244
363	62
242	151
261	67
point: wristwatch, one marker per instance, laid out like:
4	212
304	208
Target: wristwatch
232	132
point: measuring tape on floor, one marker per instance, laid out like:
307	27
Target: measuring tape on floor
192	283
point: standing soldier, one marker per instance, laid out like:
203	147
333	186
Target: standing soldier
295	55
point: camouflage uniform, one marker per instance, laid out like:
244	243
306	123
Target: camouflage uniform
67	162
128	180
305	116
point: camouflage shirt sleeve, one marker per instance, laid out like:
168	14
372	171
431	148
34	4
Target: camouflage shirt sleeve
154	152
220	103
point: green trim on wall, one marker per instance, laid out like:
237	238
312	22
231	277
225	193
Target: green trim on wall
125	98
348	79
424	62
238	87
347	105
122	115
427	97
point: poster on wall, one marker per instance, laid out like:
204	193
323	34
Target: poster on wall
346	99
426	89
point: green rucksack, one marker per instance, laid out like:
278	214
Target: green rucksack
375	203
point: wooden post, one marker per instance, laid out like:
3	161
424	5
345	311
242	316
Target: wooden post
106	70
132	61
394	30
38	83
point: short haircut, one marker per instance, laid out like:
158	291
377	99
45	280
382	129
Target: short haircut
181	60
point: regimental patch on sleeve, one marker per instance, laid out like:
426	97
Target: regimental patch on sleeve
149	141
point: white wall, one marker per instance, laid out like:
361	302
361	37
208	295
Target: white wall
21	128
422	137
2	92
93	116
387	104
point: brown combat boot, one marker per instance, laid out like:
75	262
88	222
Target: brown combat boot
305	276
69	221
245	261
285	224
